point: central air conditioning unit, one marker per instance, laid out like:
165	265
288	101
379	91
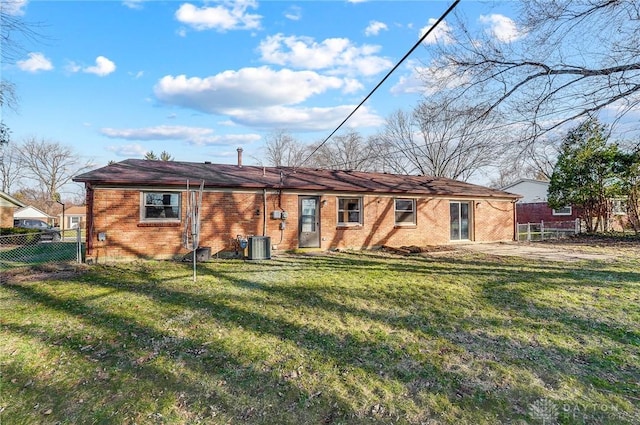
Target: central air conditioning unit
259	248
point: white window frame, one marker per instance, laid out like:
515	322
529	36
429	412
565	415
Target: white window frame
412	212
144	205
618	207
560	211
342	211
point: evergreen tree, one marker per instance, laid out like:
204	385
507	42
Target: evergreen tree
584	176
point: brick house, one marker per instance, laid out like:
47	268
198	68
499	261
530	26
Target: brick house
8	206
74	217
137	208
532	207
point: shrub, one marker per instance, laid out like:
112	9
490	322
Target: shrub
18	236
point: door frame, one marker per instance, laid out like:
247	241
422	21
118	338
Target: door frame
315	241
470	220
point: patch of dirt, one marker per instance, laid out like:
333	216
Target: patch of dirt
541	251
610	243
42	272
578	248
413	249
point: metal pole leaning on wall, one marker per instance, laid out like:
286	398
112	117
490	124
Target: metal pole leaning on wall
78	245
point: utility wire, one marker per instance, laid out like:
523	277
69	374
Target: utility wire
415	46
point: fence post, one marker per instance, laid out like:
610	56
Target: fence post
529	232
541	230
577	226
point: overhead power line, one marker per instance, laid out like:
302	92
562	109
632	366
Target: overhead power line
415	46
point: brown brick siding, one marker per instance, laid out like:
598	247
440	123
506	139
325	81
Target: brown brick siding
228	214
494	221
535	212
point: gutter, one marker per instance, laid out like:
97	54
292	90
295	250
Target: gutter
264	212
515	220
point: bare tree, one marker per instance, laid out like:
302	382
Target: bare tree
282	150
10	168
398	143
536	161
14	31
50	165
563	60
349	151
443	140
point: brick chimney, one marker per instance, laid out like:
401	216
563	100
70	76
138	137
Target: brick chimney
239	157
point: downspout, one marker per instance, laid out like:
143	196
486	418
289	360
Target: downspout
515	221
264	212
89	223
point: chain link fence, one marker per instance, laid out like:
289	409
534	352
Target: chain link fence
20	250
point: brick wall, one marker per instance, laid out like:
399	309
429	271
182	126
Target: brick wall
536	212
225	215
494	221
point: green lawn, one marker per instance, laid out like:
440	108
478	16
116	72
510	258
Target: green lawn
327	339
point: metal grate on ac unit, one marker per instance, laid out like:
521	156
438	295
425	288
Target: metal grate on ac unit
259	248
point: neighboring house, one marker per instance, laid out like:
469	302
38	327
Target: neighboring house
138	208
533	207
8	206
75	217
32	213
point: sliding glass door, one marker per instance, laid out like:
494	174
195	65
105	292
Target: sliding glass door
459	220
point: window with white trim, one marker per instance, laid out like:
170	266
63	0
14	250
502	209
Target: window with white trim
349	211
619	207
405	211
160	206
563	211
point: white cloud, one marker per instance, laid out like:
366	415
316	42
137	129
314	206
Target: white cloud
427	80
501	27
440	34
133	4
293	13
102	67
193	135
306	119
127	151
136	75
246	88
36	62
73	67
14	7
374	28
338	55
231	15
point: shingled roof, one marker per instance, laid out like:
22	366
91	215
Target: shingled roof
138	172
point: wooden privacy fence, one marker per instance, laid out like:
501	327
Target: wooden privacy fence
548	230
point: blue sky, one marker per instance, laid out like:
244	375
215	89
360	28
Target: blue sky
114	79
